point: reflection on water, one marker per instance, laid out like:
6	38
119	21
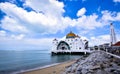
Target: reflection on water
60	58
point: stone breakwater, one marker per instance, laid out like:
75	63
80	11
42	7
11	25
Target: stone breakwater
97	62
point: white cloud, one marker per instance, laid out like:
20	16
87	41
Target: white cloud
99	40
117	18
110	16
2	33
81	12
86	23
52	7
116	0
51	19
12	25
107	16
67	21
47	19
18	37
33	21
5	36
118	37
89	22
26	44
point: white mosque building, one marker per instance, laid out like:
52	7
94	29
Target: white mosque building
72	44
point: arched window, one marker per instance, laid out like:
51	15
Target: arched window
68	39
75	39
79	47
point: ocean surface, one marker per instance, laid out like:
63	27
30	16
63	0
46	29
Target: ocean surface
12	61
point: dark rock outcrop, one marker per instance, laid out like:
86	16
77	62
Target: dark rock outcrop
97	63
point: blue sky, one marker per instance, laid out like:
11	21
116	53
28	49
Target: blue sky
35	23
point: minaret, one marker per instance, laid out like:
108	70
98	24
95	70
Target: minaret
112	35
55	43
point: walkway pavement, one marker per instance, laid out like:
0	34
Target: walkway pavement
113	55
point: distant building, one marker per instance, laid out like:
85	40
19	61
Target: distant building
115	48
116	45
71	44
112	35
104	46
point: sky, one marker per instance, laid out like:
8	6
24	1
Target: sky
33	24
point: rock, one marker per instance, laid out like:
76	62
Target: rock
96	63
95	67
117	71
101	72
112	70
84	71
74	67
78	70
68	70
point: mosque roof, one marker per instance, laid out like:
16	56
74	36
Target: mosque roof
117	44
70	35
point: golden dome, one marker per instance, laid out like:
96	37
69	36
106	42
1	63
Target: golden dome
70	35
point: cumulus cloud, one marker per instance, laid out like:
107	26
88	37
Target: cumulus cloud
99	40
33	21
86	23
18	37
81	12
110	16
12	25
47	18
47	6
2	33
89	22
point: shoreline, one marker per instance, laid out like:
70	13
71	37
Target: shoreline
96	63
48	69
33	69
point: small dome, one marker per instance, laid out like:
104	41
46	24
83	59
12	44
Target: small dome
70	35
55	39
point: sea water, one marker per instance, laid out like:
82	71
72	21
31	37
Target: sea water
12	61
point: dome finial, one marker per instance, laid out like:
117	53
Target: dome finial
111	23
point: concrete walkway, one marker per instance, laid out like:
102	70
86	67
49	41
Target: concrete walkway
113	55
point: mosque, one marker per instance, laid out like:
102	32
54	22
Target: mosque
72	44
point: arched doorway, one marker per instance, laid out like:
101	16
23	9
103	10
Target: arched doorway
63	46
